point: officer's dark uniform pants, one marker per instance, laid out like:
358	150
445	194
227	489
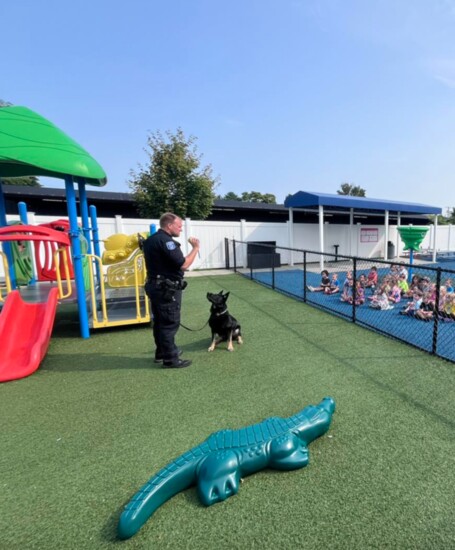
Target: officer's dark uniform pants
166	306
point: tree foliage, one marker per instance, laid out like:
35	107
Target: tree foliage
353	190
255	196
252	196
29	181
450	217
173	180
447	218
231	196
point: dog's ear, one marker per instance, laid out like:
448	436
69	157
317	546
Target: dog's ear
209	295
220	292
226	296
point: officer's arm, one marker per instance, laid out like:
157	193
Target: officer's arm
189	259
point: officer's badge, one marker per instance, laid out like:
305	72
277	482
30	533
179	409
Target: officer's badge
171	245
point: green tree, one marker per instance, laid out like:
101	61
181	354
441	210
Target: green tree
450	216
447	218
173	180
29	181
231	196
255	196
353	190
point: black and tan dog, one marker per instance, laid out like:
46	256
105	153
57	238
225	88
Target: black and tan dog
222	323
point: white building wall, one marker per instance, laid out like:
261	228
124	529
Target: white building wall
445	238
306	236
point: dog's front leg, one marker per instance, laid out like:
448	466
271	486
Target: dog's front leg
214	342
230	347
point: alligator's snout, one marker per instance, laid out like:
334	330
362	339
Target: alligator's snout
328	404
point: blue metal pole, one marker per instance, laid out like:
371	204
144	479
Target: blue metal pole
84	213
23	215
96	242
77	257
94	219
6	245
411	260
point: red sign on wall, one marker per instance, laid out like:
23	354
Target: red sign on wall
368	235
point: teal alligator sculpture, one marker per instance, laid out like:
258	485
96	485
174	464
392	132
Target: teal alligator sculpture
217	465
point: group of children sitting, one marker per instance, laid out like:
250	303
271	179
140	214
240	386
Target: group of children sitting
393	288
422	296
332	285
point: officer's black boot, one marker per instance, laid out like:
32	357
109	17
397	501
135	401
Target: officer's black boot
176	364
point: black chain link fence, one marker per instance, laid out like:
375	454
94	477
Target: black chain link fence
412	303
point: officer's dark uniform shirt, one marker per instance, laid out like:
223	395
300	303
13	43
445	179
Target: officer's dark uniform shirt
163	256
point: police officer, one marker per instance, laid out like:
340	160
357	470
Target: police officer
165	264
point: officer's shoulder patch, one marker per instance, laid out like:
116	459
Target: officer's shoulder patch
170	245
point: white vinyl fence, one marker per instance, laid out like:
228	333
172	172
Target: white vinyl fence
305	236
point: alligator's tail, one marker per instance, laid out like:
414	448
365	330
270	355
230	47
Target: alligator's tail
173	478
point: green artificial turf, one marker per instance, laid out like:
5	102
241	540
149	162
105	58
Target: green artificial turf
80	436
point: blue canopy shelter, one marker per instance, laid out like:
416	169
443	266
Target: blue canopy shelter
327	204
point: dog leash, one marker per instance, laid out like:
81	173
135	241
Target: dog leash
196	329
193	329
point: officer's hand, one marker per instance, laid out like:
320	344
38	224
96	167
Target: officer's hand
194	242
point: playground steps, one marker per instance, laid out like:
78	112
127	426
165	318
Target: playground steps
121	308
123	298
117	318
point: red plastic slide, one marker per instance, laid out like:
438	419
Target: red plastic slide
25	331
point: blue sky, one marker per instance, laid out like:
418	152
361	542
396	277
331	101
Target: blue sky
282	95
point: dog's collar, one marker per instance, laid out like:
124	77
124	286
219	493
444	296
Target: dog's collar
222	313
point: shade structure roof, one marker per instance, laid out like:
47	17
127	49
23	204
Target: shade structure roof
31	145
304	199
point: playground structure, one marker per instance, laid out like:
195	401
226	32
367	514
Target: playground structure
121	253
25	328
28	313
62	250
119	298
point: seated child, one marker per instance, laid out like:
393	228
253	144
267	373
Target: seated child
442	297
449	286
426	309
403	284
412	287
425	284
363	281
381	299
447	309
325	282
414	305
347	287
372	278
395	293
334	285
359	295
393	270
403	271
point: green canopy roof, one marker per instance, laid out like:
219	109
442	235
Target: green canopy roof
31	145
